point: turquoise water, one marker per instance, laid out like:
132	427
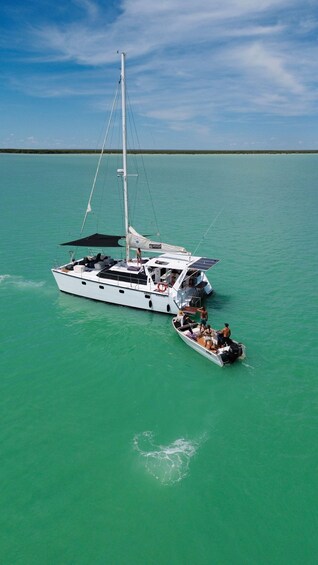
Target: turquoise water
120	445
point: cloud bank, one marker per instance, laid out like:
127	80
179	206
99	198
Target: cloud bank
191	64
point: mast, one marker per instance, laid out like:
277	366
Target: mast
124	134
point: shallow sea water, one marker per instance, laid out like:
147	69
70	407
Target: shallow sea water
121	445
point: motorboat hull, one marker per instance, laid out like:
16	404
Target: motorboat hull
223	356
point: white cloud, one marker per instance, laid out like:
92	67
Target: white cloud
269	65
189	62
90	8
144	26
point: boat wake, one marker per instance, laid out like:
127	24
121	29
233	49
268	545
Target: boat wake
169	464
247	365
20	283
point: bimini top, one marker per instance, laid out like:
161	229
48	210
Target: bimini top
97	240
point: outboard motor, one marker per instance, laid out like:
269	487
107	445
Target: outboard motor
235	351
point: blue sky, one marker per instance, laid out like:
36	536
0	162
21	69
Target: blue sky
202	74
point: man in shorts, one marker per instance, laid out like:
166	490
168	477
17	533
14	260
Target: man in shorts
203	318
224	335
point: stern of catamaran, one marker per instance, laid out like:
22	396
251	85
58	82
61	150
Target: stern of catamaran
194	285
192	297
182	276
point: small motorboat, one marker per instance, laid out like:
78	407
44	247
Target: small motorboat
191	334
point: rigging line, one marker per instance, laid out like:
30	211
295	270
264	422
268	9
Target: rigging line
135	132
106	174
89	208
133	201
207	231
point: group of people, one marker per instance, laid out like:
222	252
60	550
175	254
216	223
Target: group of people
222	336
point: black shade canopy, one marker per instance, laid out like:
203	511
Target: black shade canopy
97	240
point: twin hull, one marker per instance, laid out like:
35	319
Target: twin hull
133	295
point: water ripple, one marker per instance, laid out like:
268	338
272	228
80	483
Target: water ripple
169	464
20	282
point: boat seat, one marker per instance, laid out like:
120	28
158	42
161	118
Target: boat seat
79	268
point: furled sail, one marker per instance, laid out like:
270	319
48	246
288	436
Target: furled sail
136	240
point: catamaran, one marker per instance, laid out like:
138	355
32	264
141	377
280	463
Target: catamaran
172	280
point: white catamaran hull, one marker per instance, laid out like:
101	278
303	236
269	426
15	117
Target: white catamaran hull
134	295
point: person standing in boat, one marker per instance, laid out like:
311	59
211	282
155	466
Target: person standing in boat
224	335
203	317
138	253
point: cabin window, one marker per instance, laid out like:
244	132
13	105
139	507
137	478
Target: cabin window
134	278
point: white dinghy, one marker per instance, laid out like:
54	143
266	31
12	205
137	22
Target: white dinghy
175	279
190	333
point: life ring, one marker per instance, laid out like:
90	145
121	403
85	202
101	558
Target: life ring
162	287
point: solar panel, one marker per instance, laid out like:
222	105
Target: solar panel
204	263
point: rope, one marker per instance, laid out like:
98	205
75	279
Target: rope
207	231
89	208
140	155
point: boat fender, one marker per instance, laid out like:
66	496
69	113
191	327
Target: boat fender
162	287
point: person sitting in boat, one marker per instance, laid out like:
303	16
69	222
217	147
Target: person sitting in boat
179	317
203	317
207	336
185	320
224	335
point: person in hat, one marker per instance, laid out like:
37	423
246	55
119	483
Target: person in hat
224	335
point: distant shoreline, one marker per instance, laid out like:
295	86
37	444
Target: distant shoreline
160	151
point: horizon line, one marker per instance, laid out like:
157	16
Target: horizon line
159	151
